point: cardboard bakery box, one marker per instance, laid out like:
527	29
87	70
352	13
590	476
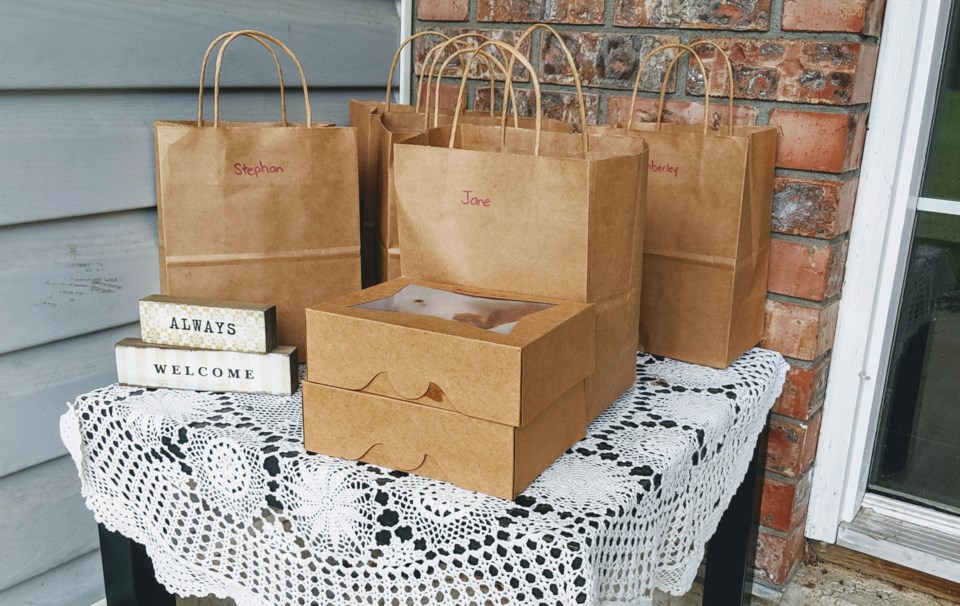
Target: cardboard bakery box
480	353
492	458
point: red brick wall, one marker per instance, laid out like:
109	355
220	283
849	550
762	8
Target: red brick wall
806	66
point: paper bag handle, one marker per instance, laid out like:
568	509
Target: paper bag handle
437	50
636	83
504	48
396	59
427	58
509	96
434	55
293	57
706	83
573	70
203	75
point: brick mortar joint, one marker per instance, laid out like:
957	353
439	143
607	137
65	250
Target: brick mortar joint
772	475
791	421
777	533
811	240
815	406
840	178
821	305
807	364
800	521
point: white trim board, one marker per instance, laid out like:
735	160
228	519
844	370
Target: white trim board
914	514
405	9
887	533
934	205
901	112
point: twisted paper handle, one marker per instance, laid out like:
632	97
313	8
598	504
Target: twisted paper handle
706	83
636	84
203	75
437	52
585	141
396	58
253	33
429	58
509	96
504	48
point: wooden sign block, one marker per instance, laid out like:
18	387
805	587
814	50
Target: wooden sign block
148	365
208	324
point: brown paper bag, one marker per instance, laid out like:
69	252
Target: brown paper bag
530	212
391	127
708	235
380	251
363	113
258	211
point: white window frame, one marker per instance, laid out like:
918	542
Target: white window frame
901	117
405	11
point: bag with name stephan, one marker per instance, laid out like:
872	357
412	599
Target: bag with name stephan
532	212
708	231
263	212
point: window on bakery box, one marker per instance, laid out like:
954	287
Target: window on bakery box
497	315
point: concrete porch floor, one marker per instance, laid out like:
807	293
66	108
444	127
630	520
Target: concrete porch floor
815	584
827	584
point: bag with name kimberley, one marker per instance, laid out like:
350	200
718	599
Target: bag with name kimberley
708	228
263	212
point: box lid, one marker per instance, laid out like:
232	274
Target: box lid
399	339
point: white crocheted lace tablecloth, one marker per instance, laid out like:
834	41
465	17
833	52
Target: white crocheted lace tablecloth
220	491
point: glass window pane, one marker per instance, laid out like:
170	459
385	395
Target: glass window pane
942	176
917	455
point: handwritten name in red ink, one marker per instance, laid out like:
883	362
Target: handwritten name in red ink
241	168
664	168
469	200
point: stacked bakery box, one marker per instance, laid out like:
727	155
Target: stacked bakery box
207	345
474	387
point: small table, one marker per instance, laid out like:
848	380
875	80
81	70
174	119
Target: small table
217	490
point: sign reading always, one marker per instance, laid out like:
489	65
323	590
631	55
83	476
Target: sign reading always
208	324
147	365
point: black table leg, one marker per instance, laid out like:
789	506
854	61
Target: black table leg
128	573
728	578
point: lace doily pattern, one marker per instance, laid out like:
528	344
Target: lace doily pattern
220	491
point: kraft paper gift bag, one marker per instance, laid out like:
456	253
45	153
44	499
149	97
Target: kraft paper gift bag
532	212
389	124
258	211
364	116
707	240
390	127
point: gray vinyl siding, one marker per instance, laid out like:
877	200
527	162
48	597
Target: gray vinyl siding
80	85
